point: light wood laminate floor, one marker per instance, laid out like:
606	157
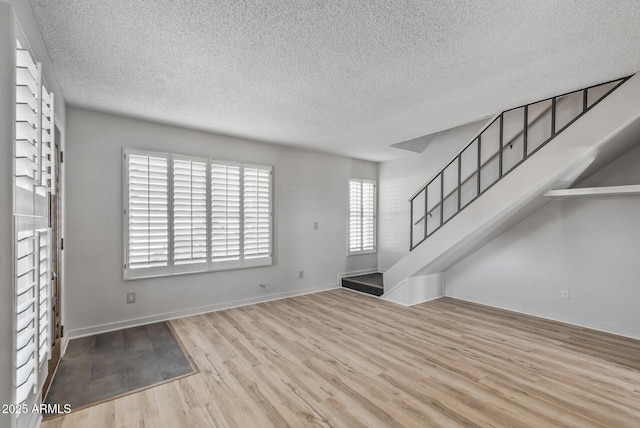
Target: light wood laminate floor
341	359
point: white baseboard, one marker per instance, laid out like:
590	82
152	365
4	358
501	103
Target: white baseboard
631	333
135	322
63	345
33	419
408	305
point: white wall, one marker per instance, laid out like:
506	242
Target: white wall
587	245
400	178
308	187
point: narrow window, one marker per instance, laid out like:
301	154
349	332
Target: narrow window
362	216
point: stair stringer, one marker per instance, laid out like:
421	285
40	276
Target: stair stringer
520	192
416	289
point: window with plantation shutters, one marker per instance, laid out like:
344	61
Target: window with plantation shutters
147	211
189	212
185	214
225	215
256	205
362	216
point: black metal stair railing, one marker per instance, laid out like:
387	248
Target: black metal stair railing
508	140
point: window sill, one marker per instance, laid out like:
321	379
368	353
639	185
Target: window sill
128	278
361	253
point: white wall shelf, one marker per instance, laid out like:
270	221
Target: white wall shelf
633	189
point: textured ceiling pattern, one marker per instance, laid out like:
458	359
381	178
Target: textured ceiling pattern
349	77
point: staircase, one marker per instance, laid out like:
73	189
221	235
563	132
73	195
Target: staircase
370	283
501	176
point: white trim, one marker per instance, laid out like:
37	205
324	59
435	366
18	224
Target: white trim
104	328
355	273
34	420
618	330
412	304
360	253
64	342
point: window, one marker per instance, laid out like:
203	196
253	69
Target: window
185	214
225	215
189	212
362	216
256	208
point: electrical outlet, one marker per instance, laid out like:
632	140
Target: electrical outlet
565	293
301	274
315	225
263	288
131	298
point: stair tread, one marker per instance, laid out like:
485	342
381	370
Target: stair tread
369	283
374	279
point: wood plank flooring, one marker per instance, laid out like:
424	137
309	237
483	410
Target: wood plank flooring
341	359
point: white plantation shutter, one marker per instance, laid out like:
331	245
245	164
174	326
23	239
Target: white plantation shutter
46	143
225	215
186	214
32	185
355	216
147	212
362	216
368	216
257	215
189	212
26	310
44	287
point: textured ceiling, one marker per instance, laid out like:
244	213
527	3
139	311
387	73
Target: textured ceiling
349	77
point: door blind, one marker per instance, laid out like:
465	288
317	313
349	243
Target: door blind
189	212
257	212
32	185
225	213
148	235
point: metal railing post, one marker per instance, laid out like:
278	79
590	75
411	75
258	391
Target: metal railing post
500	154
459	183
411	226
426	210
553	117
525	131
441	197
479	163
